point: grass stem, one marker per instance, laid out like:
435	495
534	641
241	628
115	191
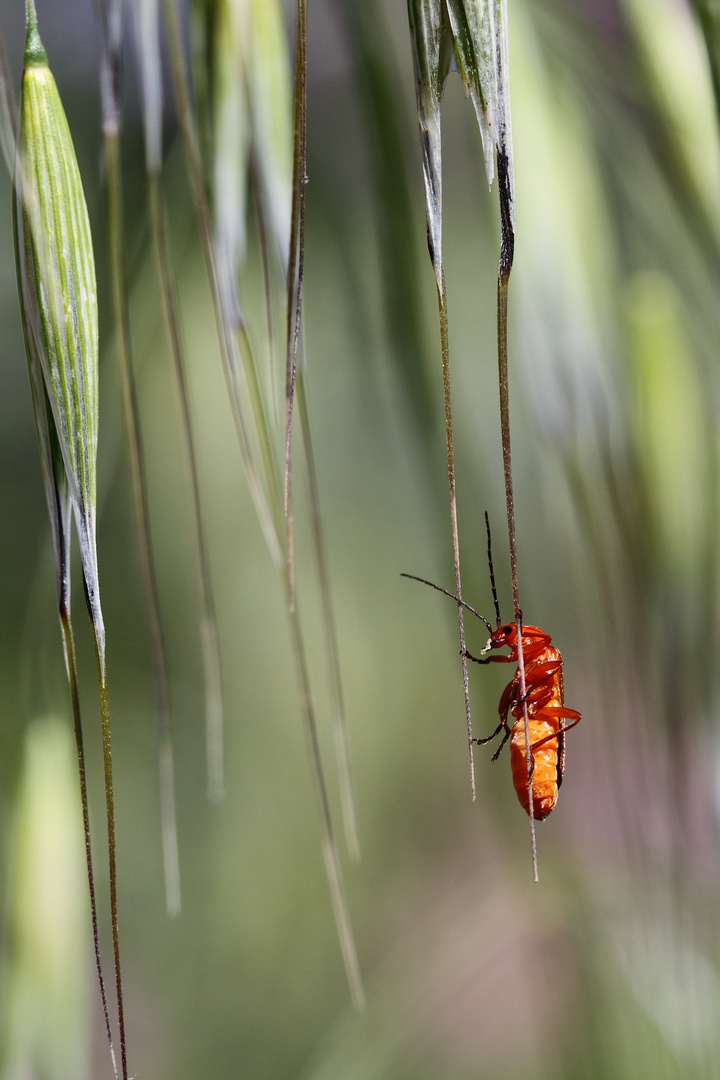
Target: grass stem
71	668
110	815
296	259
340	728
191	145
449	446
329	847
209	637
507	251
121	312
269	501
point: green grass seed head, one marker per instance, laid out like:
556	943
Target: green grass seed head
57	270
58	296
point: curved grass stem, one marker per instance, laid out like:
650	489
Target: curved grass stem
171	860
233	337
71	669
191	146
507	251
296	260
260	416
110	817
340	727
450	452
209	637
329	847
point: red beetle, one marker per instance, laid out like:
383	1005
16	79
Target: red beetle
545	700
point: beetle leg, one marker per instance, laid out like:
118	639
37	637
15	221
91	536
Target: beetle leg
567	714
552	670
502	725
499	750
486	659
496	732
557	711
476	659
507	700
548	668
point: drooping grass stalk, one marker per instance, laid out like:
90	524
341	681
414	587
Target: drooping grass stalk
339	718
430	52
293	379
71	668
479	43
111	126
171	860
307	708
481	54
227	171
267	94
261	418
267	224
507	246
385	120
329	846
193	161
59	507
59	301
506	253
296	256
267	277
110	807
233	335
450	454
209	637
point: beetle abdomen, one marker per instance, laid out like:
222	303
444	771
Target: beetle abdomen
545	773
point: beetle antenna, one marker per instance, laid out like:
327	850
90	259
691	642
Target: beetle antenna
492	572
452	597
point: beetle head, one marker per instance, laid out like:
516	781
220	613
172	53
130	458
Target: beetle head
503	635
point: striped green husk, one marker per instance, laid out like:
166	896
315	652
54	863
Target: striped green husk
58	276
59	293
62	264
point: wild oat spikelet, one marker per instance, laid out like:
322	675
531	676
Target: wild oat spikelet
58	291
58	298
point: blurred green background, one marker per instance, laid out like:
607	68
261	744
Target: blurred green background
608	967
